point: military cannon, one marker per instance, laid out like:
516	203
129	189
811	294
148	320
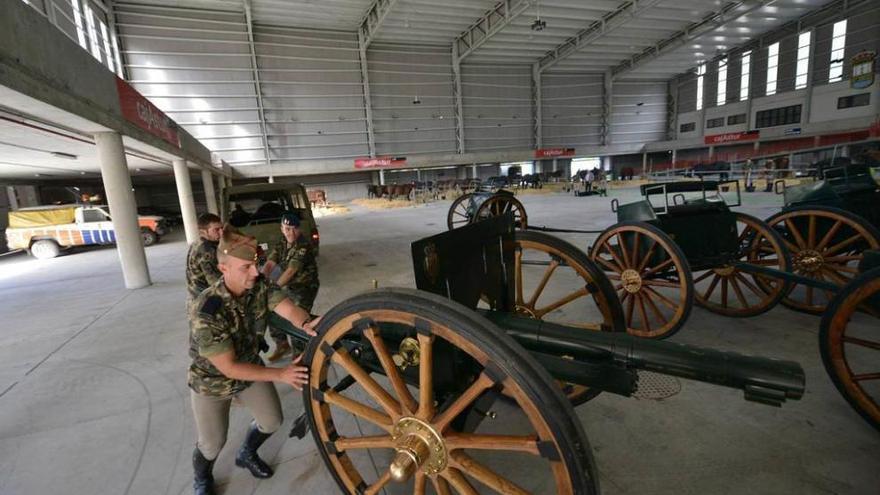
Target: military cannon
402	381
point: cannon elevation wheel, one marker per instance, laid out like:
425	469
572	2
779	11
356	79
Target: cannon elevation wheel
458	211
650	274
730	291
849	339
499	204
420	424
825	244
557	282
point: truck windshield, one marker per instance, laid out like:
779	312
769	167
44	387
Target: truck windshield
254	208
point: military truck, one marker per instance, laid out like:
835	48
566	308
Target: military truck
256	210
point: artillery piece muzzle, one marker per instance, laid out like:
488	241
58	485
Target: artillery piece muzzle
608	360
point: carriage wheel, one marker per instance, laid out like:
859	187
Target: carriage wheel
378	432
730	291
500	204
650	274
458	212
546	270
825	244
849	340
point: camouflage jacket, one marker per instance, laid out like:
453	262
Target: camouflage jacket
301	257
201	267
220	322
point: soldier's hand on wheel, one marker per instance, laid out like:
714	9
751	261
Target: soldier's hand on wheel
310	326
294	374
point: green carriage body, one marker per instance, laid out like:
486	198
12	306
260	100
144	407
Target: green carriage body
850	187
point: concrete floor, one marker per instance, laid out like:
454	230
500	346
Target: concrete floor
93	395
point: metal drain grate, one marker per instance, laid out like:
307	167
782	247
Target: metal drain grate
654	386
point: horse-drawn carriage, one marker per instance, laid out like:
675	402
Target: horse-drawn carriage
402	382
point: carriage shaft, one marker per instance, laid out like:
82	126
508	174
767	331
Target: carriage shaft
768	381
786	276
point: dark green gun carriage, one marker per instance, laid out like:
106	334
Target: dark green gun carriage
482	204
403	383
827	225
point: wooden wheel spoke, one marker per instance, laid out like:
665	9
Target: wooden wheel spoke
426	376
842	244
653	306
798	238
842	268
790	246
583	291
607	264
613	276
368	442
704	276
712	286
829	235
811	231
647	258
420	484
866	376
809	295
765	262
517	258
480	385
724	291
376	391
642	312
750	285
862	342
661	283
441	486
661	266
514	443
459	482
358	409
379	484
630	307
484	475
391	372
614	255
665	300
835	277
543	283
622	244
843	258
739	294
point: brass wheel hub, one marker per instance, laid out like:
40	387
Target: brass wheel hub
417	445
724	271
808	260
632	281
407	354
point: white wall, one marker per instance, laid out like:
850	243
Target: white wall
824	104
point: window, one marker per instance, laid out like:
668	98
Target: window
736	119
688	127
77	19
778	116
722	82
93	216
803	60
772	68
117	57
719	122
701	71
106	40
93	34
746	64
838	44
859	100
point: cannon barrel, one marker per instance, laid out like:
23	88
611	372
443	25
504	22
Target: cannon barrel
768	381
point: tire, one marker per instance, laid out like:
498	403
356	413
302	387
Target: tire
752	294
843	316
479	347
45	249
811	255
663	265
540	247
149	237
458	215
499	204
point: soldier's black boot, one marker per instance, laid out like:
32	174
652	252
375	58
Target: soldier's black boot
204	480
247	457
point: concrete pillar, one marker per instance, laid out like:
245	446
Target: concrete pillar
13	197
210	196
381	177
711	151
474	174
185	195
554	164
644	164
123	210
418	175
844	151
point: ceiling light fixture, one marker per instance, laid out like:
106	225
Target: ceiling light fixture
538	24
60	154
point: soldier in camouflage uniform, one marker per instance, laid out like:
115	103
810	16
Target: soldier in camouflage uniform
295	271
227	321
201	260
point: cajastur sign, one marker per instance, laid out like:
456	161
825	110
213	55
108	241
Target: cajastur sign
139	111
553	152
732	137
380	162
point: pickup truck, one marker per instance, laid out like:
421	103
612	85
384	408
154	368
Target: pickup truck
45	230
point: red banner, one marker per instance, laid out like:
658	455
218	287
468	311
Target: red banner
553	152
731	137
380	162
140	112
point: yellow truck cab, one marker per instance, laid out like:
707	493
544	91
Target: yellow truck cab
45	230
256	209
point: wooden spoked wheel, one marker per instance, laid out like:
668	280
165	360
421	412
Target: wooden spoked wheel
650	274
850	343
825	244
499	204
413	427
728	290
557	282
459	214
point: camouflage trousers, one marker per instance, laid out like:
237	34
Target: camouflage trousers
302	297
